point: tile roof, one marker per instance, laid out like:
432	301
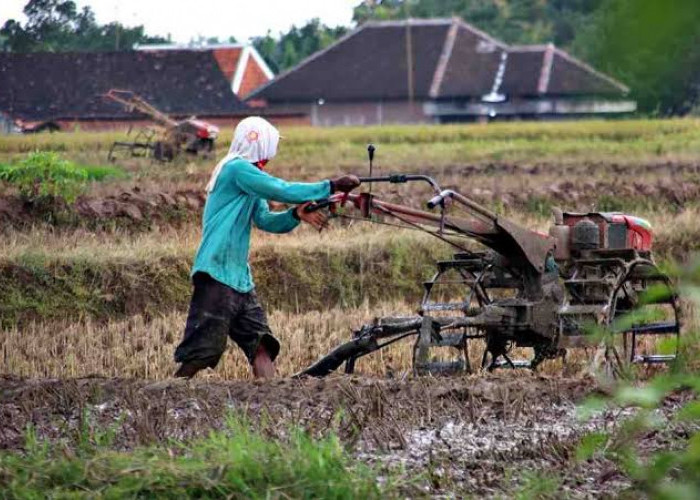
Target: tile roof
450	58
241	63
44	86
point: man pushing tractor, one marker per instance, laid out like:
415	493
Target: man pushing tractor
224	303
528	291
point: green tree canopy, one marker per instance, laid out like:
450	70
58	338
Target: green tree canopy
514	21
58	25
291	47
652	46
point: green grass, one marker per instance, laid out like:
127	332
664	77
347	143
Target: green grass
325	150
150	276
237	462
94	172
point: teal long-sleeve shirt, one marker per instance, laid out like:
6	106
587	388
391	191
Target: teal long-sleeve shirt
238	200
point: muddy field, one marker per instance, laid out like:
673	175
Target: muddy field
470	434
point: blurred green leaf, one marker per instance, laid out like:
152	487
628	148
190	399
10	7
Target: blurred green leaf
676	490
660	465
646	397
591	407
590	444
691	411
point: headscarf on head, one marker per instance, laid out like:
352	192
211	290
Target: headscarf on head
254	139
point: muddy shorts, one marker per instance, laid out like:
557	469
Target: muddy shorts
217	311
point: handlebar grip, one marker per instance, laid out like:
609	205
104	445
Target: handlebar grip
436	200
317	205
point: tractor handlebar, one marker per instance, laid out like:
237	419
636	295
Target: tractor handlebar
436	200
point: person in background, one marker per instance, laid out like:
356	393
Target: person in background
224	303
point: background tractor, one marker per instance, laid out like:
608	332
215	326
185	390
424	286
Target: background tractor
168	137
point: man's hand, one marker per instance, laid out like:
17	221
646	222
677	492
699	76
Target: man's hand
345	183
317	219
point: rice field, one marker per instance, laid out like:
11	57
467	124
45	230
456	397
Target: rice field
94	297
108	297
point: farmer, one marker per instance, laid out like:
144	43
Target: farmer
224	302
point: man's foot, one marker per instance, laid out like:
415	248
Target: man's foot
263	366
189	369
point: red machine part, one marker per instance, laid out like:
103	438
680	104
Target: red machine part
639	234
205	130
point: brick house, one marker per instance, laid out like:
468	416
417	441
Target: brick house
437	71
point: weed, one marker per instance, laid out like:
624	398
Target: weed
237	462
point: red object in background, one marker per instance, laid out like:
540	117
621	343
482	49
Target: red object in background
205	130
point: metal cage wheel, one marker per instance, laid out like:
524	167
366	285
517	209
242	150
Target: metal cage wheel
643	319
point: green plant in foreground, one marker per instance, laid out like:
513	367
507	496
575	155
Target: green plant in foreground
234	463
43	175
670	473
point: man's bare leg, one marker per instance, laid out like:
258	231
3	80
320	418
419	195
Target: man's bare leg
263	366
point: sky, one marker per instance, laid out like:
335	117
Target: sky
185	20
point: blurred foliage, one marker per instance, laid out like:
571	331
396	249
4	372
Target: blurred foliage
298	43
58	25
652	46
672	471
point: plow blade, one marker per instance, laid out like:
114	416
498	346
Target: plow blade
508	363
344	352
440	367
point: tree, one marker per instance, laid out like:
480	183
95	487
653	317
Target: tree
514	21
652	46
296	44
58	25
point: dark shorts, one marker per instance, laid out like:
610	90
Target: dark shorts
217	311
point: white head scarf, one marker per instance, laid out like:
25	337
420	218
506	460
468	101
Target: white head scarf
254	139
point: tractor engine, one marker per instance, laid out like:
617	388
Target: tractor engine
576	233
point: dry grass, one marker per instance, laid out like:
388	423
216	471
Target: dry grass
136	348
676	233
144	349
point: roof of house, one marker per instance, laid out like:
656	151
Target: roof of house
52	86
449	59
242	64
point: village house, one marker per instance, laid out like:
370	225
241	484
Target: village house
66	90
438	71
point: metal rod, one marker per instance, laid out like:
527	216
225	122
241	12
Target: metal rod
403	178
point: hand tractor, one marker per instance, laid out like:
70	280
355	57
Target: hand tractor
169	137
591	282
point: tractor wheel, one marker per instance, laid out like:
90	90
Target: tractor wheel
163	151
644	326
